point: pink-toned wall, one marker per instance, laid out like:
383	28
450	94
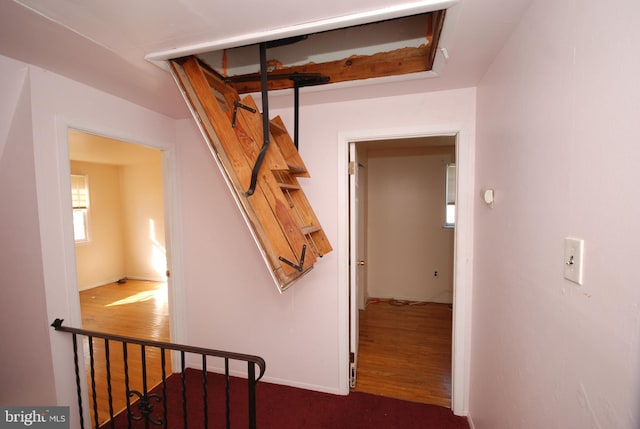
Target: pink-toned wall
223	296
37	259
26	371
557	137
299	333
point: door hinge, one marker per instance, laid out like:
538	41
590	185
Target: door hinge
168	273
352	167
352	376
352	357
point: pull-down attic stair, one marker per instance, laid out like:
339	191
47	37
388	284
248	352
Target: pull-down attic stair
278	213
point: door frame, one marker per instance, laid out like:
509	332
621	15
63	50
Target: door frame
463	249
356	255
176	297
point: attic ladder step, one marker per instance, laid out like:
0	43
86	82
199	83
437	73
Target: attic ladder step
278	212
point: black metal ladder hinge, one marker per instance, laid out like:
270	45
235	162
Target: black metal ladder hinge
237	105
299	266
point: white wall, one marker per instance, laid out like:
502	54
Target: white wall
26	370
406	239
301	333
558	140
40	266
227	297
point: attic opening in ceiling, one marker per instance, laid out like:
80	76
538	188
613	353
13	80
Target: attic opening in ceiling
385	48
264	176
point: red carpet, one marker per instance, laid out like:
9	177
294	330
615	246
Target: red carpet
281	407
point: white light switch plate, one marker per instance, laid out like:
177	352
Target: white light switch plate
573	259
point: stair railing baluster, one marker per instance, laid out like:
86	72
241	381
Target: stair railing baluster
109	388
205	392
93	382
251	379
163	363
144	398
125	357
226	389
184	390
77	370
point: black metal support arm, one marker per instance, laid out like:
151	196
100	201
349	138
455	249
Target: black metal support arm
301	80
299	266
237	105
265	119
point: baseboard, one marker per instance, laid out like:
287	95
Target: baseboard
107	282
411	299
470	421
148	279
101	283
194	363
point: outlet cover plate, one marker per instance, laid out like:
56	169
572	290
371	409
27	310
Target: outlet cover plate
574	259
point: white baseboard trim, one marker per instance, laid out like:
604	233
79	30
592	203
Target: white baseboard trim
470	421
106	282
149	279
98	284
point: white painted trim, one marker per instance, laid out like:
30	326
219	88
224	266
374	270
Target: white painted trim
470	421
463	250
389	12
173	247
173	239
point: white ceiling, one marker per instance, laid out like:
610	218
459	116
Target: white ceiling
104	43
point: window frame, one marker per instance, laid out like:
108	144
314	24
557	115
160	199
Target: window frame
80	205
450	195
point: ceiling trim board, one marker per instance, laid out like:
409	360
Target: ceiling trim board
396	11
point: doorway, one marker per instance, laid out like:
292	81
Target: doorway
121	261
118	210
402	241
463	247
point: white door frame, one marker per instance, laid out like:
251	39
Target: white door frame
355	253
172	241
463	249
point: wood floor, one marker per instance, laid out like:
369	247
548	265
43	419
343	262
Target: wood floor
405	352
135	309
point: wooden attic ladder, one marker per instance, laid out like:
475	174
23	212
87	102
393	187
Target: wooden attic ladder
277	212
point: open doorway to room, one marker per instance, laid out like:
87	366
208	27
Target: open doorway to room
402	235
121	261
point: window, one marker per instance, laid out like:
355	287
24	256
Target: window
450	199
80	205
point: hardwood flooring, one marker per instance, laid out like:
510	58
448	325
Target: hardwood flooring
405	352
135	309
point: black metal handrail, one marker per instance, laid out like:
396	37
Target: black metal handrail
146	397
